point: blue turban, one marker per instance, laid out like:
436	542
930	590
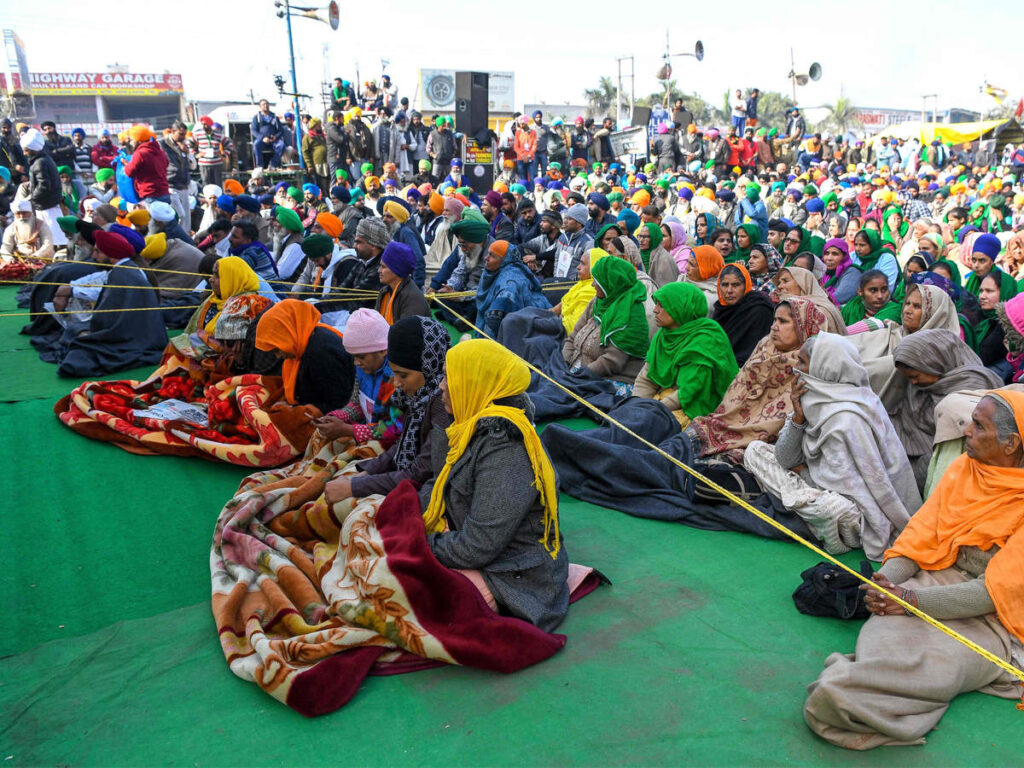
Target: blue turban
599	200
266	199
247	203
686	193
989	245
726	195
135	240
399	258
341	193
313	189
630	219
78	130
226	203
815	205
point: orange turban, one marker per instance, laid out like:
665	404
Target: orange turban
641	197
436	203
330	224
287	326
140	133
233	187
709	261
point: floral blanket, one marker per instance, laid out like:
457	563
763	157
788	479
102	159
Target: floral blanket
309	599
237	419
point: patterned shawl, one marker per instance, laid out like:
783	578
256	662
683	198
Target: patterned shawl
757	401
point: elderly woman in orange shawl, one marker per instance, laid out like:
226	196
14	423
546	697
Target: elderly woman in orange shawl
959	560
702	270
316	368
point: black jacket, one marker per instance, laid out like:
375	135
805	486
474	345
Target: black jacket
337	143
61	151
44	182
177	165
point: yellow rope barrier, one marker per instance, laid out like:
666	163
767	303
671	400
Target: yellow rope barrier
988	655
93	311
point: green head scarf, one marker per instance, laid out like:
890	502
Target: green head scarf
656	237
620	231
742	254
695	357
620	314
953	268
753	191
875	241
887	234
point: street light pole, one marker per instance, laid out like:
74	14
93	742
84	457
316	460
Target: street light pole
297	134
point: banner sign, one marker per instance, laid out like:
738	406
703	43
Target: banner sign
437	89
98	83
631	141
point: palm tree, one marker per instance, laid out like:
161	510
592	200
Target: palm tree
601	100
841	116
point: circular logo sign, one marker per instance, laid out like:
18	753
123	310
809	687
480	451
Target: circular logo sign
478	171
441	90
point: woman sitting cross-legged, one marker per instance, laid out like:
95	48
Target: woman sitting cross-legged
612	336
959	561
690	363
838	463
316	368
416	350
370	414
745	315
579	296
491	511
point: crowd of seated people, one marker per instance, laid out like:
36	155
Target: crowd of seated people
807	361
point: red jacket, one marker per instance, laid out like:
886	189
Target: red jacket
103	155
148	169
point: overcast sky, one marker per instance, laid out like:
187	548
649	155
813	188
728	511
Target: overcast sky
878	54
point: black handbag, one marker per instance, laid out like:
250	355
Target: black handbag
827	590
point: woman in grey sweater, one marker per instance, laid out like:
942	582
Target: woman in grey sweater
491	510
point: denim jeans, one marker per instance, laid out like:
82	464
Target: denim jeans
526	170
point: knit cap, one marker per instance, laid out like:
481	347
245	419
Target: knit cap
366	331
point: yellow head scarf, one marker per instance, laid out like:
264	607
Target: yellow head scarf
236	276
480	371
574	303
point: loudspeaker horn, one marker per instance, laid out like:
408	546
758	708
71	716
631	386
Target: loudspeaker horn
815	71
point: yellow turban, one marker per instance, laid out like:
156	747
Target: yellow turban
398	211
480	371
156	245
139	217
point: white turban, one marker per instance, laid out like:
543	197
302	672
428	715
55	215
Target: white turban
23	206
161	211
212	190
32	139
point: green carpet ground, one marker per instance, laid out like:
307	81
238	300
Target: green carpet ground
695	655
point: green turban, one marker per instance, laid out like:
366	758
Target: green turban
294	193
104	174
65	169
341	173
773	132
596	166
614	197
810	189
366	169
517	189
830	198
663	183
753	191
425	165
289	219
438	121
465	191
316	246
554	164
67	224
472	229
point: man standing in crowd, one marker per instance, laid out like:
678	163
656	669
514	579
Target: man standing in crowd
11	155
44	183
209	149
267	137
147	167
60	148
103	151
179	167
83	154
